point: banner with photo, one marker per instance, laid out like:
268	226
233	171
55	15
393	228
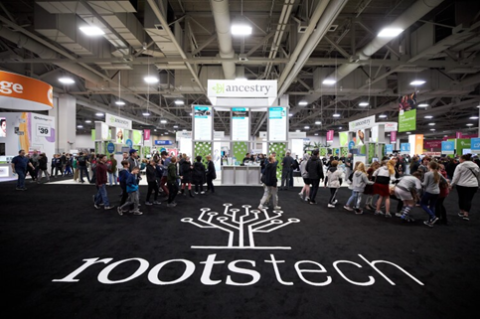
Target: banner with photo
407	113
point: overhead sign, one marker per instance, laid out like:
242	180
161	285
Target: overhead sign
235	88
116	121
366	122
475	144
182	134
432	144
390	126
448	147
277	123
20	92
388	148
297	135
163	142
405	147
330	134
407	113
202	116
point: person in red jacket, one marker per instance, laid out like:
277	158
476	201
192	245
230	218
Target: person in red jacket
101	198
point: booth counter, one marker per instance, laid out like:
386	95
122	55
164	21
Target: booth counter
241	175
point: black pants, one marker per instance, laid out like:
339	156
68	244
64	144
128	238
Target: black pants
333	195
84	172
314	189
210	184
152	186
465	197
32	172
196	187
440	210
57	169
172	191
124	193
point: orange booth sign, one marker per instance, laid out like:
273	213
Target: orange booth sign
20	92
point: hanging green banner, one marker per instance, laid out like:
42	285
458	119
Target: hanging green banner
407	113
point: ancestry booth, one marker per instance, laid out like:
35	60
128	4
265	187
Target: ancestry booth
24	130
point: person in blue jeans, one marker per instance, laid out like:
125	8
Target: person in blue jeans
431	186
101	182
19	167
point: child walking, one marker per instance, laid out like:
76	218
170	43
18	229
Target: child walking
172	178
431	182
333	182
132	190
383	176
359	181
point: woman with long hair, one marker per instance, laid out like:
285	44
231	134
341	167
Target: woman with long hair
305	192
186	169
440	210
430	184
369	188
467	179
199	175
383	176
359	181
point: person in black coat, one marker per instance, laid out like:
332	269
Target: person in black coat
315	174
269	180
152	183
211	174
199	175
186	169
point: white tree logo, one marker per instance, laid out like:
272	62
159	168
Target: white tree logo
241	227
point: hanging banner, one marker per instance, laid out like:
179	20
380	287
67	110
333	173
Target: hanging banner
277	123
343	137
363	123
390	126
146	135
462	144
393	136
163	142
23	93
448	147
240	124
458	134
389	149
405	147
330	134
407	113
432	144
116	121
202	116
475	144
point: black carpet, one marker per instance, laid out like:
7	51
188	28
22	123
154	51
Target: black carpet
50	231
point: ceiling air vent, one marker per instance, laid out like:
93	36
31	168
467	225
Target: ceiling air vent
159	27
333	28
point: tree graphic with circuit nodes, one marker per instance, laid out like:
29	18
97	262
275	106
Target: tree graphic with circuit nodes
241	225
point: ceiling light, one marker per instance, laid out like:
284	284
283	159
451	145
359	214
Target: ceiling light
469	124
417	82
99	114
80	126
120	103
290	114
241	29
431	124
166	133
175	126
184	130
478	106
318	123
241	79
146	114
190	114
474	117
297	131
155	130
88	121
316	134
432	129
428	116
408	133
336	115
179	102
66	80
329	82
302	103
445	136
339	127
389	32
92	31
150	79
382	116
423	105
363	104
306	127
163	121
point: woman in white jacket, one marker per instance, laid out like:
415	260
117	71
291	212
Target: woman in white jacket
467	179
359	181
334	181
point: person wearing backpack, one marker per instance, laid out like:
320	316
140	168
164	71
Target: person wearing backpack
269	180
123	174
199	175
305	192
315	174
82	167
132	191
333	181
440	210
112	170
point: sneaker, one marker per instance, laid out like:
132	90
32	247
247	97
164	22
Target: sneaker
196	193
398	214
331	206
358	211
157	203
170	205
148	203
461	215
466	218
379	212
312	202
427	223
388	215
119	211
335	202
434	220
277	207
202	193
348	208
19	189
301	195
101	204
96	206
261	207
137	213
368	207
108	207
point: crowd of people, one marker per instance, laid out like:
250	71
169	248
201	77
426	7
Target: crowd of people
417	181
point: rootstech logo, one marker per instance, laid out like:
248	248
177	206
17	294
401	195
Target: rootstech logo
241	226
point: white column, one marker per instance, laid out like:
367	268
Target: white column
65	113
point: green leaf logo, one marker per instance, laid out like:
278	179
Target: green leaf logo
219	88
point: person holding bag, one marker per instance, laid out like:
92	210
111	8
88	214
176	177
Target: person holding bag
466	178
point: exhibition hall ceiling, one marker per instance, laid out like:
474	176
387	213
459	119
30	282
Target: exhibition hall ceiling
352	58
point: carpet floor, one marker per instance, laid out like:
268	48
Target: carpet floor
62	258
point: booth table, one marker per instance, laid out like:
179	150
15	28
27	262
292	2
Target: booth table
241	175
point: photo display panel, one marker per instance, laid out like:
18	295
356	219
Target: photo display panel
240	124
202	115
277	125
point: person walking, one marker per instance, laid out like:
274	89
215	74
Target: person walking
123	174
407	190
68	165
152	183
165	161
82	163
349	169
444	185
430	184
112	171
211	174
369	188
172	178
314	169
333	181
199	175
466	179
359	182
52	165
305	192
269	180
383	176
19	167
42	168
131	189
186	169
101	182
31	168
287	164
35	158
